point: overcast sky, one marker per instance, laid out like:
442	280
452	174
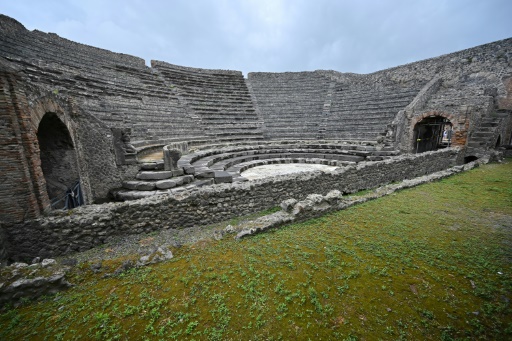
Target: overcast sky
358	36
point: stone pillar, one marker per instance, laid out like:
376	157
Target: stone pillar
123	149
171	157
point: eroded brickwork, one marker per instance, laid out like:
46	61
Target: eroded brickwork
22	188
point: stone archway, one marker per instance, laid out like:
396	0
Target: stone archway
58	158
432	133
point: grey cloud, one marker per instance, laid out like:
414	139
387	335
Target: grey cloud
273	35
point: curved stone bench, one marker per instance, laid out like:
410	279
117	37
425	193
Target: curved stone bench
237	169
216	163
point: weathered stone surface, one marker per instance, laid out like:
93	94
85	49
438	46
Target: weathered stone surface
154	175
178	172
188	169
171	157
18	286
165	184
288	204
152	166
139	185
48	262
161	254
203	173
223	177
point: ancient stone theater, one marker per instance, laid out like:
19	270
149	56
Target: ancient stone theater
95	144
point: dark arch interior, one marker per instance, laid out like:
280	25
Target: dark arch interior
432	133
470	158
58	158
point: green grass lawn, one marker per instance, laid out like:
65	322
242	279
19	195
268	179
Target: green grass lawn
428	263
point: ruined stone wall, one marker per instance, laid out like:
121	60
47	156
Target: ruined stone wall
88	226
23	188
474	69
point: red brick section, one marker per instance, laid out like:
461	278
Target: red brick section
460	125
22	185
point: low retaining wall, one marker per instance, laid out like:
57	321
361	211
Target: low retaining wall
85	227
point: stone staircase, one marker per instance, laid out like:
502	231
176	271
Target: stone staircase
326	112
151	180
485	136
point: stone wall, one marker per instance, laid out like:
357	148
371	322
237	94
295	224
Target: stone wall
99	172
361	106
85	227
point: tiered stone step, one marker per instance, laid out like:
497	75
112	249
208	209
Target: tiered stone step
220	98
291	103
118	89
222	163
364	113
221	159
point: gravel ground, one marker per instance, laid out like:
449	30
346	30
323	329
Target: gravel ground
265	171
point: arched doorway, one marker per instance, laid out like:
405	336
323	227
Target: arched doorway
59	162
432	133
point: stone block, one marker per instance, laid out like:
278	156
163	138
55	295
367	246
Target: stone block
204	173
189	169
139	185
154	175
178	172
165	184
223	177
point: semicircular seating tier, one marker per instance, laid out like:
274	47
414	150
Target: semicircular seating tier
214	164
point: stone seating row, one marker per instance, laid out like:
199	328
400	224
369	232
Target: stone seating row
36	44
212	104
291	103
221	163
207	158
239	168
